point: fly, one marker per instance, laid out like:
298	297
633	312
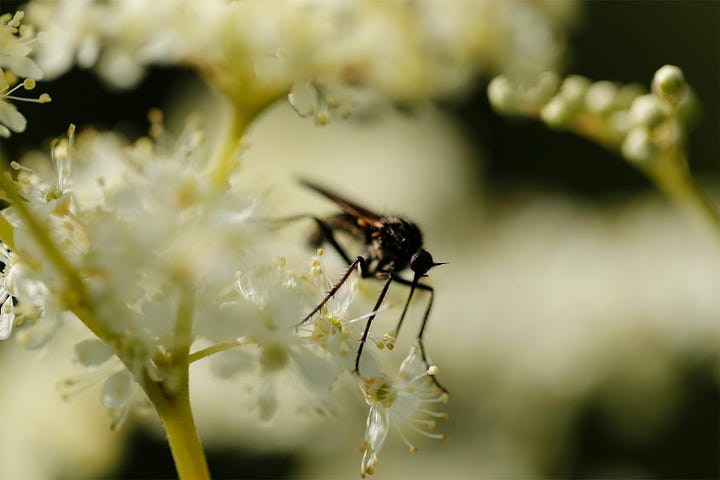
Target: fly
391	245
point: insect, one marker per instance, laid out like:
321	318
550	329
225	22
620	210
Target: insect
391	245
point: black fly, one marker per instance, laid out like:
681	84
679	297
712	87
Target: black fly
392	244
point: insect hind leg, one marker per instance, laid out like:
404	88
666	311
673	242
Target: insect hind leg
426	315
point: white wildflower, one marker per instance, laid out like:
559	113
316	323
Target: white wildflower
16	43
409	402
333	328
25	302
119	390
271	306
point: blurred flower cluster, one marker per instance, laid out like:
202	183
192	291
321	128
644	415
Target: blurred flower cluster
255	51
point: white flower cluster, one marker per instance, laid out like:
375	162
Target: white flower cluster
138	242
16	43
406	50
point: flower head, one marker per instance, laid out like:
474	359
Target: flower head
16	42
130	240
409	401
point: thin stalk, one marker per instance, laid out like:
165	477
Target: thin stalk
177	418
672	177
218	347
227	159
171	398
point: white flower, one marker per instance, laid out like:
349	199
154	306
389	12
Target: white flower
272	307
408	401
25	302
15	46
333	328
119	390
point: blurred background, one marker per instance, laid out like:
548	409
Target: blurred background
577	325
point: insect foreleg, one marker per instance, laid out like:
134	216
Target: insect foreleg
328	233
358	261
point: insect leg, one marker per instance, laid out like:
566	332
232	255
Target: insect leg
328	232
358	261
369	321
426	315
419	286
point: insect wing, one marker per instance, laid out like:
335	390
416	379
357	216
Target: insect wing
361	213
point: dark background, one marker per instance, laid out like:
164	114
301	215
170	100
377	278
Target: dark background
624	41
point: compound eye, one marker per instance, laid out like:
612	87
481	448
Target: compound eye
421	262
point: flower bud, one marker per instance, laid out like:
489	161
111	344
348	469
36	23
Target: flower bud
647	110
669	83
600	96
638	145
502	95
573	90
556	112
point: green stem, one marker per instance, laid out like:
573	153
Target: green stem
669	172
183	328
218	347
246	108
171	398
227	159
176	416
671	175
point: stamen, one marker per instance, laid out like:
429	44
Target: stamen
389	340
361	317
425	433
410	445
120	419
419	376
432	413
16	166
73	386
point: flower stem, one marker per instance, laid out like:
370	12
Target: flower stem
171	398
246	107
670	173
176	416
227	159
218	347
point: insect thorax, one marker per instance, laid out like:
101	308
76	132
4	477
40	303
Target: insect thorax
391	247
